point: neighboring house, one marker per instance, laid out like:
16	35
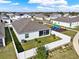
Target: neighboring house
26	29
54	16
39	16
67	22
2	35
25	16
18	16
6	20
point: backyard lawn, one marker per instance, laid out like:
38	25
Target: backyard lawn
69	33
39	41
7	52
77	28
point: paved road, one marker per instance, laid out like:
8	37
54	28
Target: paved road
76	43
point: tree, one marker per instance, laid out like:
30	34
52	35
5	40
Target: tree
41	53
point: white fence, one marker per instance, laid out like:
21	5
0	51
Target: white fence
64	40
32	52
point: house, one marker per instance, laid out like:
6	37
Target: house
6	20
26	29
39	16
2	35
67	22
25	16
54	16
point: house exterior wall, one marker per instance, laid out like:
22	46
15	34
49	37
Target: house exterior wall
71	25
62	23
3	41
74	24
25	16
32	35
38	18
47	18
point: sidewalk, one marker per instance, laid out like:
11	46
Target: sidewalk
76	43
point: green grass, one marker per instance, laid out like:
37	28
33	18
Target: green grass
7	36
39	41
77	28
8	51
17	43
69	33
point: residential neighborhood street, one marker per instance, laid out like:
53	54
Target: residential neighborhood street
76	43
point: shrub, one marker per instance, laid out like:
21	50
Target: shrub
41	53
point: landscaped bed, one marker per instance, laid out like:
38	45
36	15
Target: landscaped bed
7	36
39	41
17	43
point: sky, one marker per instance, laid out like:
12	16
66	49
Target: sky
39	5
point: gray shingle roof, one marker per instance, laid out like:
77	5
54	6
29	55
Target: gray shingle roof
26	25
40	15
67	19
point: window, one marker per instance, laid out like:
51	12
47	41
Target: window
26	35
44	32
47	32
40	33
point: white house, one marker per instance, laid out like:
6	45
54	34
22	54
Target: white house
67	22
6	20
2	35
26	29
25	16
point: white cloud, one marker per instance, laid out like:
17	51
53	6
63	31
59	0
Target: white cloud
64	8
14	8
54	5
15	3
48	2
5	1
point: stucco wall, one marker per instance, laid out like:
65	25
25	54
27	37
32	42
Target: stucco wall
62	23
32	35
74	24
